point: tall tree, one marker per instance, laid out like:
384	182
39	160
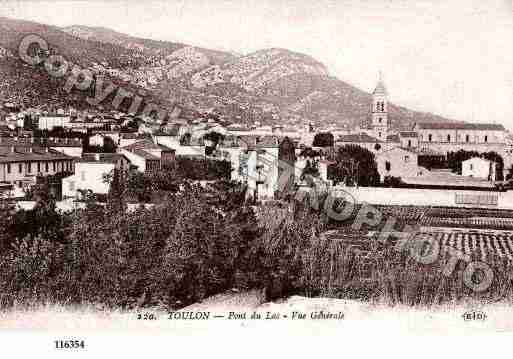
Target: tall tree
323	139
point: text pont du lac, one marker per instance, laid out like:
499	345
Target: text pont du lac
294	315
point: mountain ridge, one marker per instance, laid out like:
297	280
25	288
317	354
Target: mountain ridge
269	86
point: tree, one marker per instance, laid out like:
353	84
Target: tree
323	139
116	195
287	162
214	138
311	169
354	165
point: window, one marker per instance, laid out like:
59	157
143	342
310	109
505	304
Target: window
46	167
430	137
409	143
379	134
38	167
29	167
387	166
448	138
471	166
486	138
406	158
380	120
467	138
20	168
8	168
53	165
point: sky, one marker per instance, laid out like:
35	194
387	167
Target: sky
450	57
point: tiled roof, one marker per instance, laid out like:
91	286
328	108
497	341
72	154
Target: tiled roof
143	144
63	142
129	135
409	134
166	149
145	155
358	138
236	128
103	157
393	138
427	152
24	154
460	126
253	141
31	142
411	150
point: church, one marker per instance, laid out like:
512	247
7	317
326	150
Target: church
424	137
398	152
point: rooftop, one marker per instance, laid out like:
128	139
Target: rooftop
145	155
358	138
101	157
25	154
460	126
143	144
408	134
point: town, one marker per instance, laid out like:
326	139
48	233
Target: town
78	151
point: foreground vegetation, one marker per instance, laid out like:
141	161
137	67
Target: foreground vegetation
197	242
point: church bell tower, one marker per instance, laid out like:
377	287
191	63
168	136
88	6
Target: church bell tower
380	111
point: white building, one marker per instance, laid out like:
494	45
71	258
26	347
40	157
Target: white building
259	162
90	173
147	156
398	162
49	122
479	168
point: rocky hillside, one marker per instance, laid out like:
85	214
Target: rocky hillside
269	86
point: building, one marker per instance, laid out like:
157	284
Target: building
49	122
98	138
479	168
363	140
398	162
91	173
379	111
21	165
265	163
69	146
126	139
147	156
409	139
453	136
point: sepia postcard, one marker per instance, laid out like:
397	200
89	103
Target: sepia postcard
327	175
